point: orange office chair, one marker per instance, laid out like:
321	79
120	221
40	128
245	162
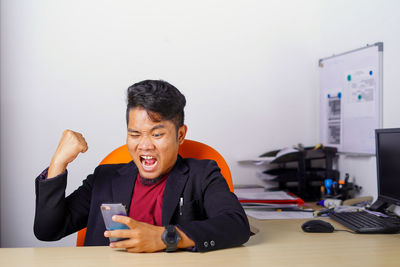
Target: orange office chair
189	149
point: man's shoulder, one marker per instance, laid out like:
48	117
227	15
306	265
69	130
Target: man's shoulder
199	162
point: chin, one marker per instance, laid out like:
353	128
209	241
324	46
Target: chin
149	175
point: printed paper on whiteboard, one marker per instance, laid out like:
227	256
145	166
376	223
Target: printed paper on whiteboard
351	99
361	88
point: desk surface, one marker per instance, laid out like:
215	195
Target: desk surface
279	243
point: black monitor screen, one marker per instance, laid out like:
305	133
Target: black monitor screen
388	164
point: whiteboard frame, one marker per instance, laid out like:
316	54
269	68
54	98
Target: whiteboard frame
379	116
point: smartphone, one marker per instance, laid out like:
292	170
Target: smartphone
109	210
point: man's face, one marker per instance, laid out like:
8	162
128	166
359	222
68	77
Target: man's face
153	146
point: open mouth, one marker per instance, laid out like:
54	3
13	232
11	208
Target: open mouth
148	162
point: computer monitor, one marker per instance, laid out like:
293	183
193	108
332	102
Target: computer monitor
388	168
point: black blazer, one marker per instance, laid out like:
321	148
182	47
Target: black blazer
211	215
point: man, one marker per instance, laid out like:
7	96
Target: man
173	203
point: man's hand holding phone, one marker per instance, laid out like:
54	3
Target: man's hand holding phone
125	232
140	237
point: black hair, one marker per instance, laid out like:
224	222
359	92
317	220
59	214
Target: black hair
160	99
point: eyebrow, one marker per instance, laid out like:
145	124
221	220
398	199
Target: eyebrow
159	126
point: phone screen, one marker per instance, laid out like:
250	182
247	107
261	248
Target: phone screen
109	210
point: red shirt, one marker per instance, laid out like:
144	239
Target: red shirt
147	199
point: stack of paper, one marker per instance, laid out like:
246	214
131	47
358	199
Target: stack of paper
275	215
262	204
270	197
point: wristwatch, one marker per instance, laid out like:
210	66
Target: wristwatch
171	238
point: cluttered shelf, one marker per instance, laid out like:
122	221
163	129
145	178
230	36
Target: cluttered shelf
308	172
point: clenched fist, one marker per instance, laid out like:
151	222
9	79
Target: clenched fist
71	144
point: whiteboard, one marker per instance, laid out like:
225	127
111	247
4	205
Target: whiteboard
351	99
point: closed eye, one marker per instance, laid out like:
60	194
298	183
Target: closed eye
158	135
134	135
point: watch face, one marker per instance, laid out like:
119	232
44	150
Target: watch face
170	237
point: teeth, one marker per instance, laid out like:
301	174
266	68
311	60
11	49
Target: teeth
148	162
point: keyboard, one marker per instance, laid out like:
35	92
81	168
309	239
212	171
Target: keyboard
363	222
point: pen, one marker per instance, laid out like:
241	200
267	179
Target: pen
295	209
180	205
324	211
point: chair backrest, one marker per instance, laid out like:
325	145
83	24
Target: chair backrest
189	149
197	150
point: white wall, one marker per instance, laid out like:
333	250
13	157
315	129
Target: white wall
247	68
346	25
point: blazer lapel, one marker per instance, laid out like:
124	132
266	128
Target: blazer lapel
123	183
173	190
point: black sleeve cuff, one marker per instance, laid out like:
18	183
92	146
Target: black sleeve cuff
43	175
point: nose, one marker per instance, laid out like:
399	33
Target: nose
146	143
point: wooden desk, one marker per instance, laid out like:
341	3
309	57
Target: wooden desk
279	243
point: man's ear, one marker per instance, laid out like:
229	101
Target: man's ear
182	134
